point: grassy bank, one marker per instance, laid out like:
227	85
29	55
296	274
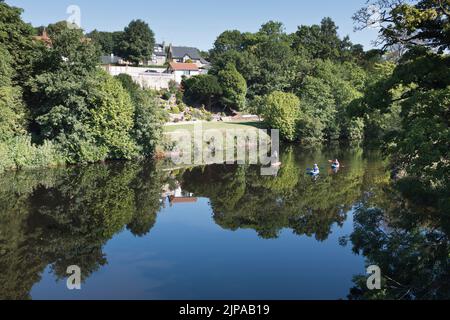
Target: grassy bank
222	126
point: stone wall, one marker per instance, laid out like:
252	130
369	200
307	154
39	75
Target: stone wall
157	80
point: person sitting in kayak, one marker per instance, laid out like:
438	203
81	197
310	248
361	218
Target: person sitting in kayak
335	163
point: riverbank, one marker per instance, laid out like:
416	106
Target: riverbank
222	126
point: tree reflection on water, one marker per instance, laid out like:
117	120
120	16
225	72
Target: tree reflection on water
66	216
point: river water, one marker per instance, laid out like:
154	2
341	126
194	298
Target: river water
152	231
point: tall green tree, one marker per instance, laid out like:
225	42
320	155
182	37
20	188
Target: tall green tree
108	42
72	102
138	42
234	88
16	38
12	109
419	85
203	89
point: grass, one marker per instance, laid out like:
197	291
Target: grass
222	126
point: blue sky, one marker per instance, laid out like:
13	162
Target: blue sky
198	22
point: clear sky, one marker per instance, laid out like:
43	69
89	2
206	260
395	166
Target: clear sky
198	22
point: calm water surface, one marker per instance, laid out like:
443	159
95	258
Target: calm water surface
148	231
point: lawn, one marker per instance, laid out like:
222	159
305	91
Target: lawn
222	126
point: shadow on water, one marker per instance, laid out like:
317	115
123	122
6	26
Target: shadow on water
65	217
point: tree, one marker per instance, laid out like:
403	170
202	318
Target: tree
138	42
73	103
147	130
419	86
416	23
16	38
129	85
107	41
111	118
202	89
234	88
281	111
228	40
319	41
12	109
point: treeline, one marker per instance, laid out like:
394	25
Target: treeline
412	98
135	43
315	86
57	106
302	83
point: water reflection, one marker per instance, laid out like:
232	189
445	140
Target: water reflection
63	217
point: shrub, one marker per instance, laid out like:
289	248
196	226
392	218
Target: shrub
175	110
182	107
112	118
356	129
166	95
234	88
20	153
281	111
147	124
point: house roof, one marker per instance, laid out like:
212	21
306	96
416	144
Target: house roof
181	52
183	66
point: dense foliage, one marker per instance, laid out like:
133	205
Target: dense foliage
417	89
137	42
281	110
58	106
326	72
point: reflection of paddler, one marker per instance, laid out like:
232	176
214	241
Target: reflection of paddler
316	169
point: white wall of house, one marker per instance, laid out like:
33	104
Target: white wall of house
159	60
132	71
179	75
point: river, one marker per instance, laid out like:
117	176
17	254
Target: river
148	231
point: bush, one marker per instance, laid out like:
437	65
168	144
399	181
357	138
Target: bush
19	153
202	89
112	118
356	129
281	111
175	110
166	95
234	88
182	107
147	130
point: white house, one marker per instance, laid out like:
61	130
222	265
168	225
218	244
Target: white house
181	70
159	57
